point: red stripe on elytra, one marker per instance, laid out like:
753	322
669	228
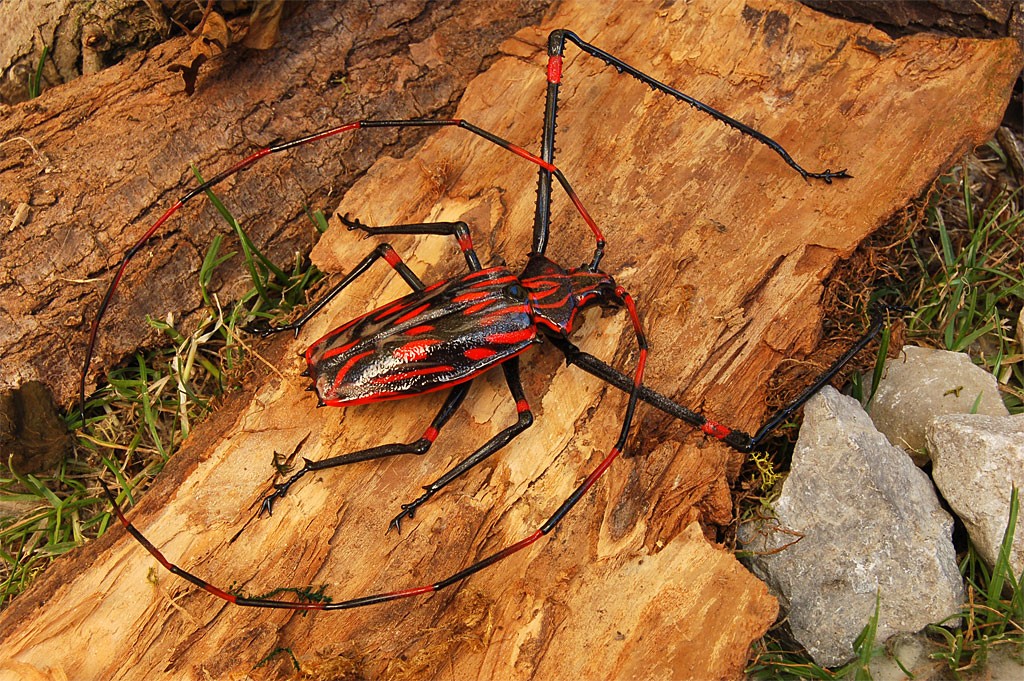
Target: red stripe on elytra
511	337
473	309
471	296
394	378
347	366
385	312
375	397
493	282
413	314
540	287
329	337
341	349
479	354
414	351
494	318
417	330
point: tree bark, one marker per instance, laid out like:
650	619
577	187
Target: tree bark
965	18
96	160
725	250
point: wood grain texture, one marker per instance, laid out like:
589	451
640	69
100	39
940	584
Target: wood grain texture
725	250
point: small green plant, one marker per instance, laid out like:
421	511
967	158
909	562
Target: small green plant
774	661
35	81
136	422
971	287
993	614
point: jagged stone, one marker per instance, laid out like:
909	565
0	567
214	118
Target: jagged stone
923	383
976	461
855	518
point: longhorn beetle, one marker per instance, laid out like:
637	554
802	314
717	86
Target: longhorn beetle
442	336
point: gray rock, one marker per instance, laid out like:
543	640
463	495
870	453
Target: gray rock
923	383
855	518
976	461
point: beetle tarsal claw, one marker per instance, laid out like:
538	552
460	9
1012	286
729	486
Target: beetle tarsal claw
267	505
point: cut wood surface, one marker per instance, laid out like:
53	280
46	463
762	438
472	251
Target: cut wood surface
724	248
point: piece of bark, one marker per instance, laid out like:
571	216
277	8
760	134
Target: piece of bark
965	18
98	159
724	248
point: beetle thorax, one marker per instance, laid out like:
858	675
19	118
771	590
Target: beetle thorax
555	294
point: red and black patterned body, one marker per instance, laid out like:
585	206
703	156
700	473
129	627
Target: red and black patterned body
449	332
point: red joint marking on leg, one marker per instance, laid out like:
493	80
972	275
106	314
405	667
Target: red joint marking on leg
466	243
522	406
391	257
716	430
555	69
430	434
479	354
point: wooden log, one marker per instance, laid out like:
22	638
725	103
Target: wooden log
725	249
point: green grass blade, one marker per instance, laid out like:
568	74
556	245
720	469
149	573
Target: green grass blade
35	83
